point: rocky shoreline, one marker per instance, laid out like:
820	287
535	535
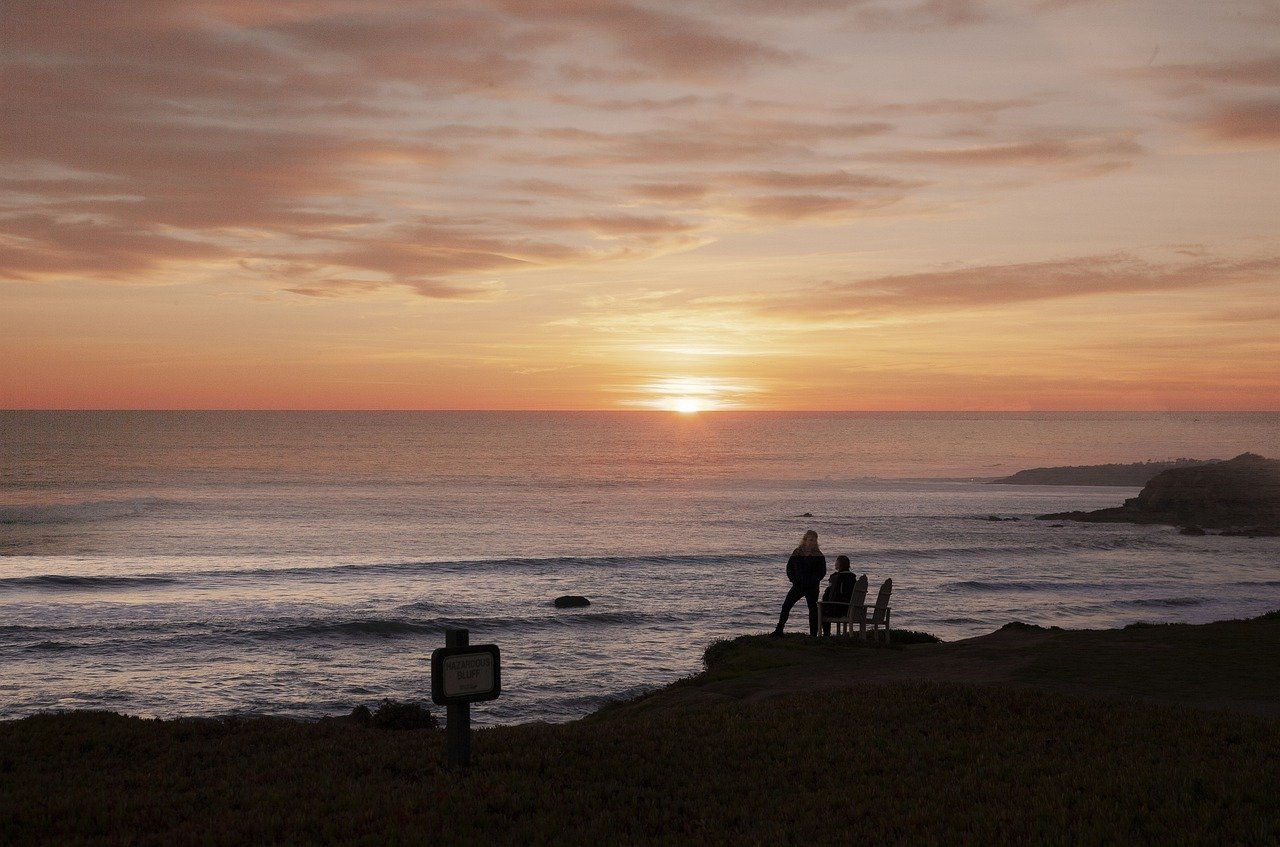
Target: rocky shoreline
1239	496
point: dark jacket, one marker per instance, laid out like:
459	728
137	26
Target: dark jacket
840	589
806	571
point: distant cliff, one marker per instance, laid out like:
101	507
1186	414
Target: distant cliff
1242	493
1131	475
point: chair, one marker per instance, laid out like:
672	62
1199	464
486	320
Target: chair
879	618
841	622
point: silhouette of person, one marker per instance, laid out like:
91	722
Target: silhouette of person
839	591
806	568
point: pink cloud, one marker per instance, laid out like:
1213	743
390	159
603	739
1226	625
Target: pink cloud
929	14
999	285
1045	151
1244	121
37	246
1263	71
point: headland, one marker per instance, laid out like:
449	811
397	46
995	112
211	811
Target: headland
1239	495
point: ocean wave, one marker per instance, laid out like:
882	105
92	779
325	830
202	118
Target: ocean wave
70	582
1023	585
389	627
53	645
371	626
74	513
472	565
1031	543
1160	602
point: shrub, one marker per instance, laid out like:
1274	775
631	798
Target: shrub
392	714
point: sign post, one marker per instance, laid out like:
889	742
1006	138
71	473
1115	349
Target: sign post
462	675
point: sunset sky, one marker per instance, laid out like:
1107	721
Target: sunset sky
630	204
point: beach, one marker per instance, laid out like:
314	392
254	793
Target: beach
1147	735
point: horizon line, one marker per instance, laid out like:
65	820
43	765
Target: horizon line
707	411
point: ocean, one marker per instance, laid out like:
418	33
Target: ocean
303	563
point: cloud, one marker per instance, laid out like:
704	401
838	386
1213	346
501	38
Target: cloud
1002	285
39	246
682	193
777	196
348	288
1245	316
824	180
931	14
439	49
432	249
615	226
1037	152
700	142
1263	71
797	207
673	45
1244	121
963	107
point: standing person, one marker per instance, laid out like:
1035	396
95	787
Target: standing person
806	568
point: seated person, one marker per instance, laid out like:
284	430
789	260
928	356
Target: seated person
840	589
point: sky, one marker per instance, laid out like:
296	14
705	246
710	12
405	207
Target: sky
640	204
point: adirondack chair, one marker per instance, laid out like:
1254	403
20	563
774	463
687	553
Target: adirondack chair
878	619
841	622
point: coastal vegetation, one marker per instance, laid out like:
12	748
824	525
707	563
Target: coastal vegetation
777	742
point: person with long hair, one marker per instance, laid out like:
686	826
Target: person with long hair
806	568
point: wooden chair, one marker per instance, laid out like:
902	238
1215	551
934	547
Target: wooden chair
879	618
841	622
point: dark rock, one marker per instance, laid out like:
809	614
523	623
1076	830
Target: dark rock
1243	492
570	601
1056	526
1191	529
1019	626
805	515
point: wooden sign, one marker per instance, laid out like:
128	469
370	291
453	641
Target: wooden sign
466	674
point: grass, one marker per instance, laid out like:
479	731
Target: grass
749	654
1239	660
901	763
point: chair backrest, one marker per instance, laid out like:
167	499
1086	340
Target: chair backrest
878	614
859	592
882	599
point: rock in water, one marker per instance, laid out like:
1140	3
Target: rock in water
1240	492
570	601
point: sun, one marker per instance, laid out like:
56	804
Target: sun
686	405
